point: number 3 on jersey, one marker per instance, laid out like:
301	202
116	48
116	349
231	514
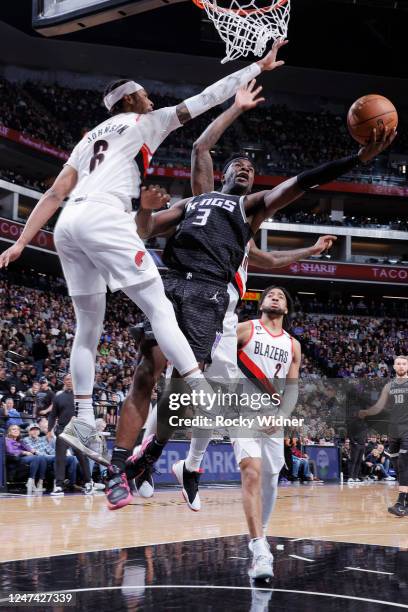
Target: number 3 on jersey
202	218
97	158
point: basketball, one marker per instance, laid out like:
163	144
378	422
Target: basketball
368	112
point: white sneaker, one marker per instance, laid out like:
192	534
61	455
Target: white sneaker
390	478
351	480
88	488
30	486
262	561
57	492
85	438
145	488
40	488
98	486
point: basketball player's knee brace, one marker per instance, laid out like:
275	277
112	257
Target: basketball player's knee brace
403	467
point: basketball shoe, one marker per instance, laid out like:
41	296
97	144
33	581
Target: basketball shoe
85	438
189	481
117	488
140	465
145	484
262	560
398	509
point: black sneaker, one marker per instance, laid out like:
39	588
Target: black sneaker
189	481
142	462
117	489
398	509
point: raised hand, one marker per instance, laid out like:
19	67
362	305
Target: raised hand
246	96
154	197
324	243
269	61
374	147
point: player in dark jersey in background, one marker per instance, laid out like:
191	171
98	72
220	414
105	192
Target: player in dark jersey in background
207	248
394	396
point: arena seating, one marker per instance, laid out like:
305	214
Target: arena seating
281	139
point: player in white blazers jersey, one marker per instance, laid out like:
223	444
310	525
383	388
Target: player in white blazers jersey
267	356
96	237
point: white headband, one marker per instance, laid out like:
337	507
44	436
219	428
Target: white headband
117	94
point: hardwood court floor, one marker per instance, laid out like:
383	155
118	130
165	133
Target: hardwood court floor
42	526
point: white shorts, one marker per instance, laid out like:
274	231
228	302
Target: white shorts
270	450
98	246
224	366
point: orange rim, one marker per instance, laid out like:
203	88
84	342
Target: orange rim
255	11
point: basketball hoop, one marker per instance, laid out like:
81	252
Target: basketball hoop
246	27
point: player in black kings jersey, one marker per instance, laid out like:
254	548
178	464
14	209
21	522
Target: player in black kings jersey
211	233
394	396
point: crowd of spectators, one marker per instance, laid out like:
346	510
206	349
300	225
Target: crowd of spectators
347	347
36	333
305	304
21	178
376	463
281	139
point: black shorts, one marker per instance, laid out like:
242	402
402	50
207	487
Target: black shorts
398	440
200	307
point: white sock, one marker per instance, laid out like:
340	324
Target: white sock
150	427
85	410
197	382
269	495
198	445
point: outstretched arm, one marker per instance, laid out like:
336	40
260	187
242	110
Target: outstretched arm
264	204
222	90
280	259
378	406
47	205
202	168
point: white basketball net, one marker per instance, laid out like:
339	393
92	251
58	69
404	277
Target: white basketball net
247	28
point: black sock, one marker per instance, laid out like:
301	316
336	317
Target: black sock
119	456
402	499
155	448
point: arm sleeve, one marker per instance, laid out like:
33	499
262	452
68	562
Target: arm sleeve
327	172
290	398
222	90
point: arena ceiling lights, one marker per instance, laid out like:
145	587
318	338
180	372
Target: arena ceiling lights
56	17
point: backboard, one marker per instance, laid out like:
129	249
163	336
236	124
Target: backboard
56	17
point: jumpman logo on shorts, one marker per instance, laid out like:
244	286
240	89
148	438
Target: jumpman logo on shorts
214	297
